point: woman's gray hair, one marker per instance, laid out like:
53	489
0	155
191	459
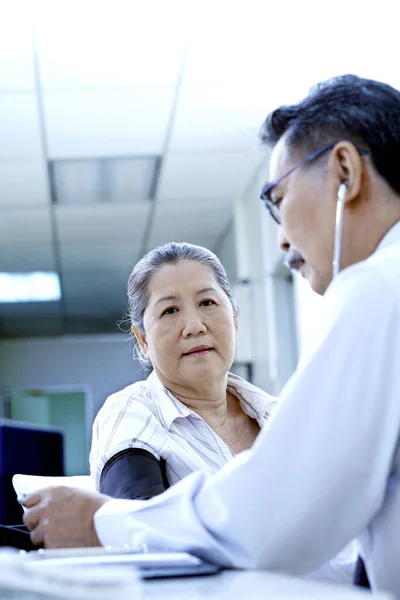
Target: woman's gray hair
169	254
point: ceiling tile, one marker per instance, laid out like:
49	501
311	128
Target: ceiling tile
245	46
236	57
95	294
19	126
16	48
207	175
243	42
196	222
27	226
20	257
159	238
30	309
132	121
31	325
101	257
128	45
218	117
23	182
96	224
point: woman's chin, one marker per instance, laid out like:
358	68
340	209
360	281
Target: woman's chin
200	369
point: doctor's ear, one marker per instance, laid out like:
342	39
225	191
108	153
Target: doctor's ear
141	340
348	165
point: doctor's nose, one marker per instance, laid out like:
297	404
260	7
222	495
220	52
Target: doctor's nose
282	241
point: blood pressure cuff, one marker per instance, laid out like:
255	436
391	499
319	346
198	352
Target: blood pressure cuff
134	474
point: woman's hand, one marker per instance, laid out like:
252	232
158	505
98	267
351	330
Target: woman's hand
62	517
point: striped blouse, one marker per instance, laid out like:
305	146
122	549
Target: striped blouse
146	415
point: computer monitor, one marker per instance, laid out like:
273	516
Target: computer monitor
28	449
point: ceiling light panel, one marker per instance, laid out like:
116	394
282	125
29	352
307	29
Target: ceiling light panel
75	182
131	179
104	181
29	287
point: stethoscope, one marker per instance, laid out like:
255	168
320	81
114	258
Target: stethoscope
338	229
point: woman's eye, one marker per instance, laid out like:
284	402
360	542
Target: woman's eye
169	311
207	302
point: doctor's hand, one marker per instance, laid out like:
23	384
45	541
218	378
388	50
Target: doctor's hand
62	517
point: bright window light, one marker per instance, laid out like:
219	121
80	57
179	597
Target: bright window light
29	287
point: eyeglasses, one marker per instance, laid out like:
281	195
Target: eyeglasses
274	205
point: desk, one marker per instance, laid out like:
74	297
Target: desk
248	585
228	585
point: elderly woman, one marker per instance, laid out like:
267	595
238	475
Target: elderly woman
190	414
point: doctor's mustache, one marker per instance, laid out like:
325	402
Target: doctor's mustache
293	260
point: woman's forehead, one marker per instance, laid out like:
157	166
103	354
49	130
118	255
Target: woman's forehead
184	274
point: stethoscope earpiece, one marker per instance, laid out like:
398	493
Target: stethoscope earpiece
338	228
342	192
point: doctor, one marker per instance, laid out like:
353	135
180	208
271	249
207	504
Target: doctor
335	192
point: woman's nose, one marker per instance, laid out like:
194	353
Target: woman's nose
193	325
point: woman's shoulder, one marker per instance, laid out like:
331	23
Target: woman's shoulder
246	386
134	397
128	419
259	400
140	390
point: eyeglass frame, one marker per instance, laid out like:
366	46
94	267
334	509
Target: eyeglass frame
265	194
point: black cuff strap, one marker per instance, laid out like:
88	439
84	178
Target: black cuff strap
134	474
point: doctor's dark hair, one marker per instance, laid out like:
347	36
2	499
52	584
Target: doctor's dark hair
169	254
361	111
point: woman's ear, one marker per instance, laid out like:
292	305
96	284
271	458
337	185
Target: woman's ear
236	322
141	340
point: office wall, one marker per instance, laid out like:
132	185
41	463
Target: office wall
67	412
250	268
272	324
226	252
103	362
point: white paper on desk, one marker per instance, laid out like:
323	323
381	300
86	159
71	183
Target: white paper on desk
144	560
20	574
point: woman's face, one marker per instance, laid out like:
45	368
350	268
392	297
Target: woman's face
189	324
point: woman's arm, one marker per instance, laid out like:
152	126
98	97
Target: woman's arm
133	474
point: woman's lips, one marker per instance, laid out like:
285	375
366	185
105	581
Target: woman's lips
198	351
